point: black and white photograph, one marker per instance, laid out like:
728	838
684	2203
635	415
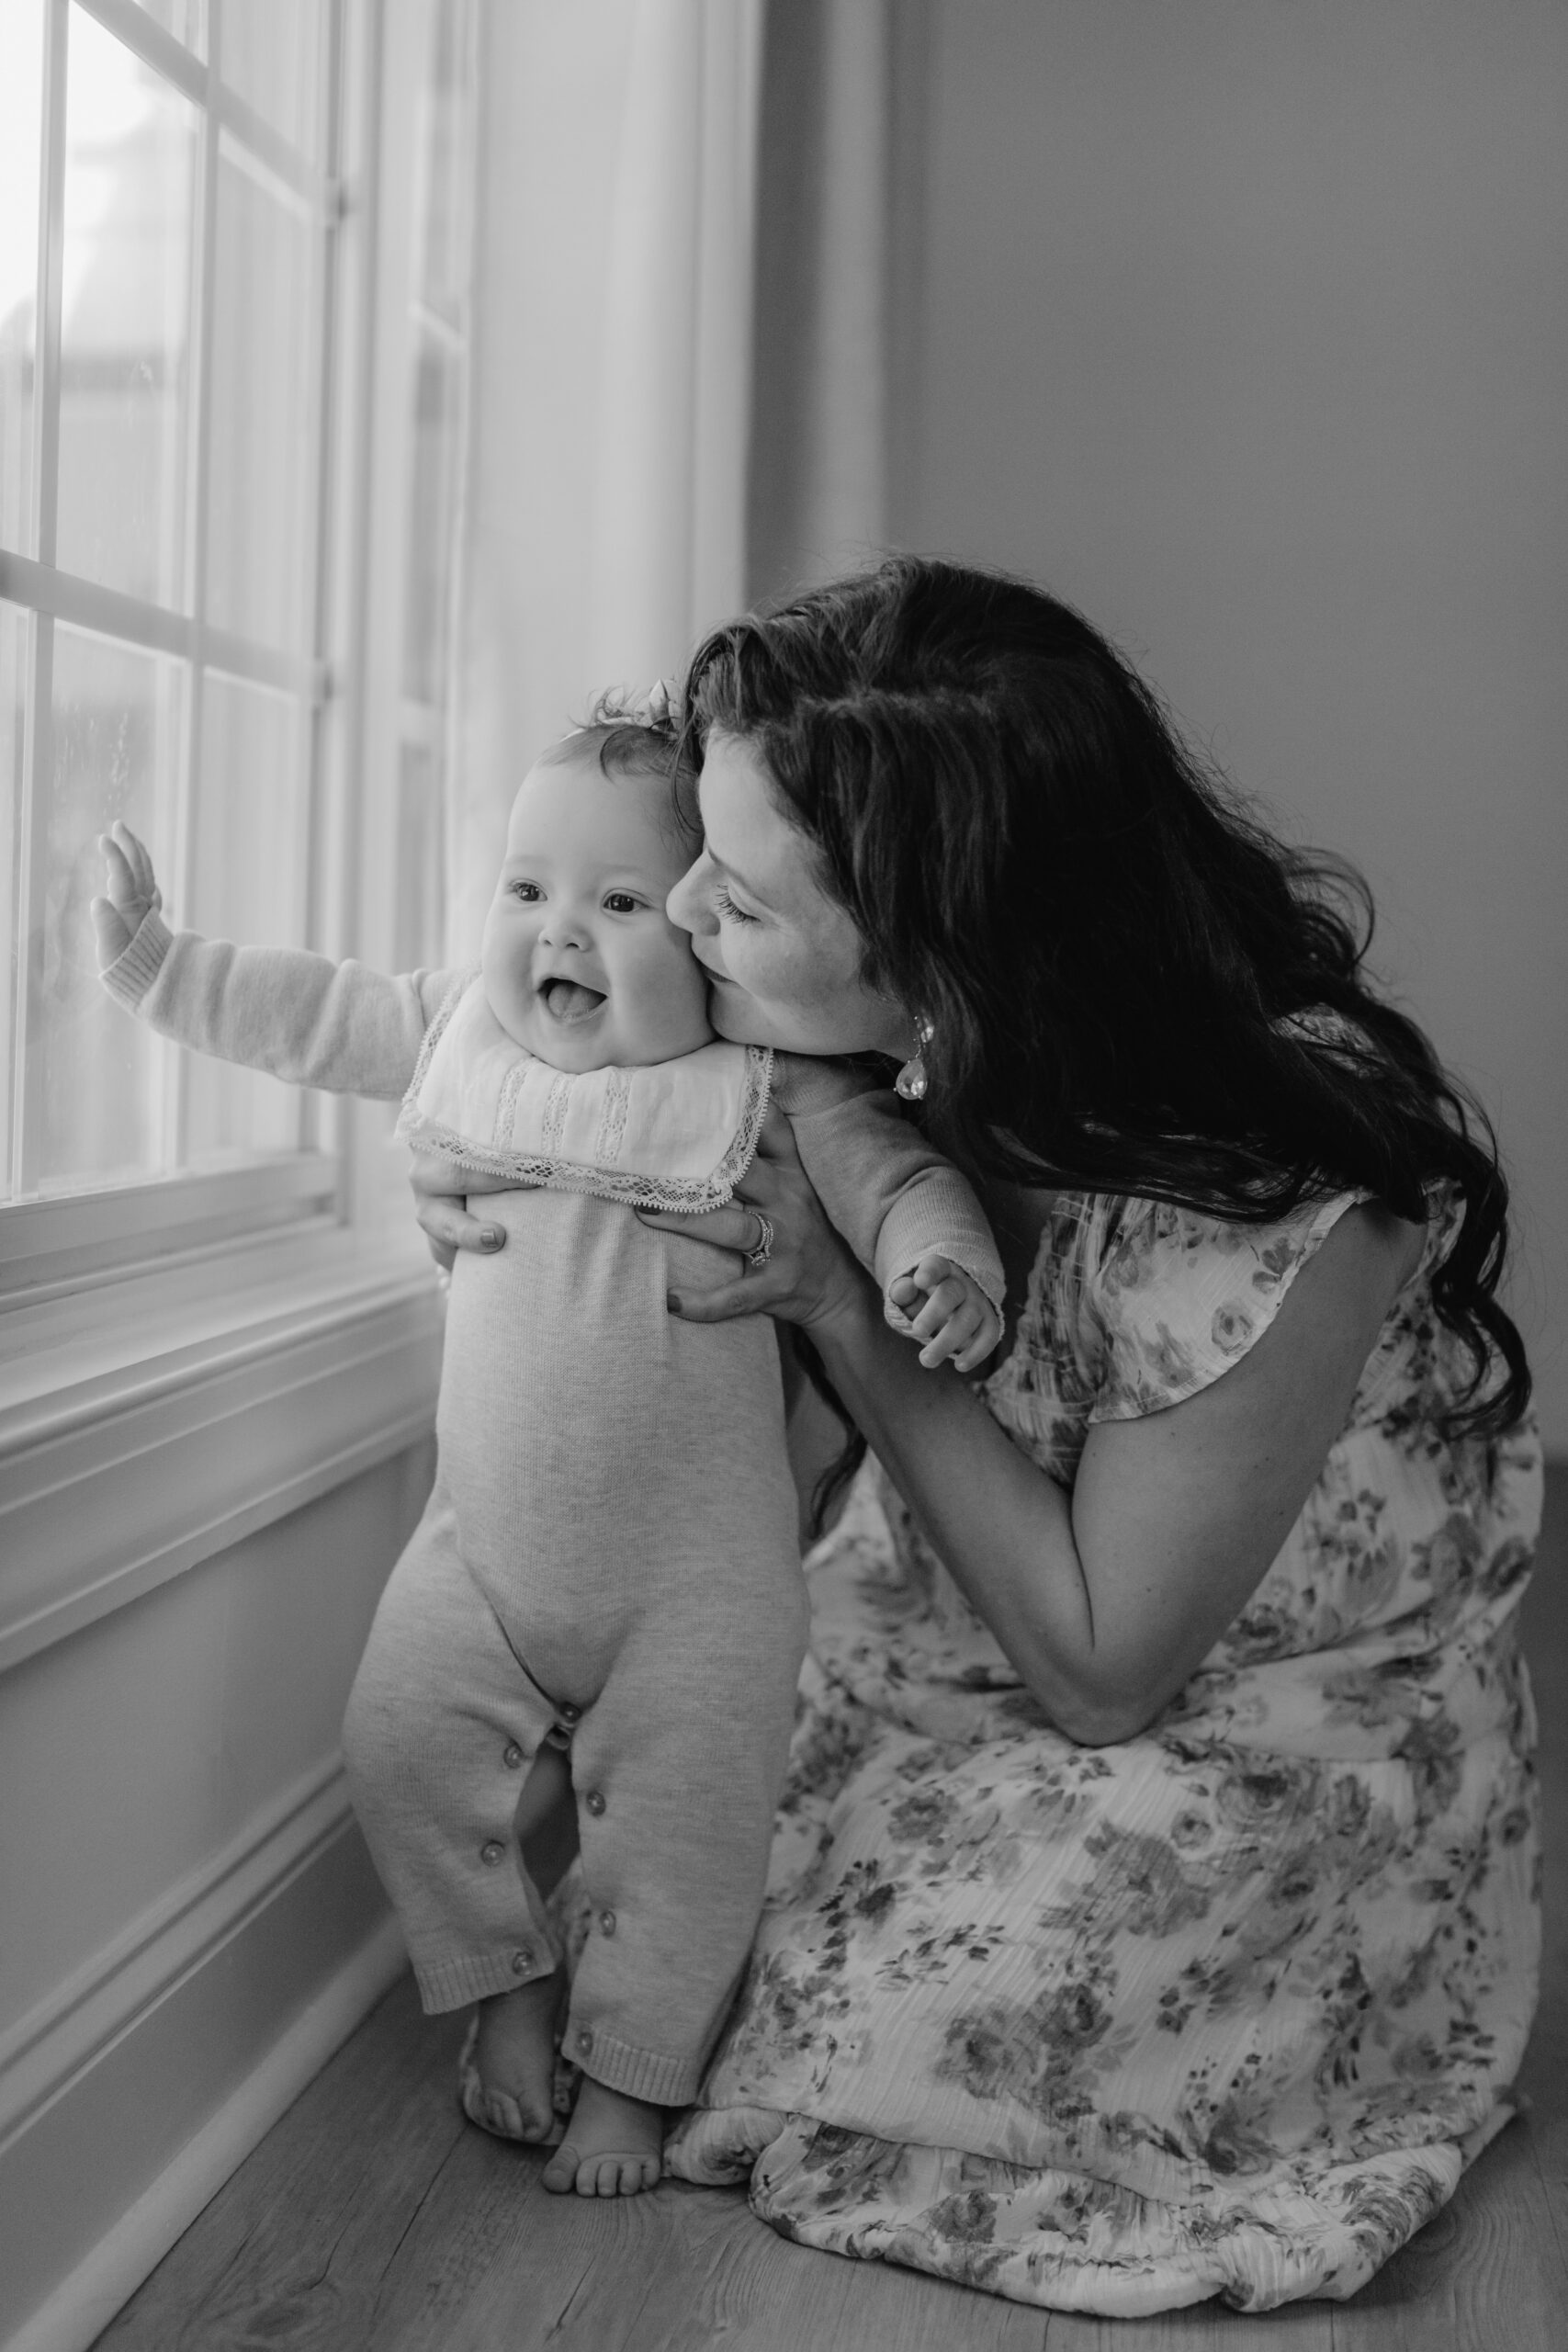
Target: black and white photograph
783	1176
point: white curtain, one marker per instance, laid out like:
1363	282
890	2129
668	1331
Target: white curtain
613	373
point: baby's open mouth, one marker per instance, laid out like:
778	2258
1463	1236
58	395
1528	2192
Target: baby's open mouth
570	1000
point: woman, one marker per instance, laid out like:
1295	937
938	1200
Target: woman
1154	1906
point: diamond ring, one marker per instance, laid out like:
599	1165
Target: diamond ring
758	1258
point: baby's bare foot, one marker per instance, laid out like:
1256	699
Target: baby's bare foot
614	2145
509	2075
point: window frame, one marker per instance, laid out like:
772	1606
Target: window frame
135	1222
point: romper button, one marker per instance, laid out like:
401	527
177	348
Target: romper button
513	1755
594	1801
492	1852
521	1961
584	2039
607	1922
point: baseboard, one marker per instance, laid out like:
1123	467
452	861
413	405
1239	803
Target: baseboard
102	2175
48	2049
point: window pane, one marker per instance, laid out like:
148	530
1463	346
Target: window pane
262	411
248	885
95	1110
432	499
420	908
445	149
130	153
272	58
21	118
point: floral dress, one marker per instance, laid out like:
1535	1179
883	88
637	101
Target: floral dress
1224	2009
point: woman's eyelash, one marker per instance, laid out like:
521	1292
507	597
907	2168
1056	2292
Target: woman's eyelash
729	909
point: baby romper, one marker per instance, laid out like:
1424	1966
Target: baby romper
609	1554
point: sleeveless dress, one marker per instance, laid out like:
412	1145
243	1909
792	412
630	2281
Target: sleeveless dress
1223	2010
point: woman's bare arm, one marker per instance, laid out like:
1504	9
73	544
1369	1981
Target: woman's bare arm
1106	1599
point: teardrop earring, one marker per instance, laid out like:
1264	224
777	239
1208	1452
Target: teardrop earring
910	1081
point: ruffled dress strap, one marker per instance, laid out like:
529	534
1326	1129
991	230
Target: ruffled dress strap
1179	1297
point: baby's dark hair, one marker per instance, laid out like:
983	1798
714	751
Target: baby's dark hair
649	745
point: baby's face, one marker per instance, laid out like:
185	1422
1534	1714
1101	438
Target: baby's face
581	963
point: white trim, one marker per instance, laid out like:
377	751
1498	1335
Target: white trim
115	1480
84	2302
49	2047
69	1237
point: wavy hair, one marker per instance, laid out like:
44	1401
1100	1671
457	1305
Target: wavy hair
1114	952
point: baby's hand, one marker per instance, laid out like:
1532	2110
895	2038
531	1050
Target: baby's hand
956	1319
132	893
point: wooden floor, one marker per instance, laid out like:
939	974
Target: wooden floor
374	2219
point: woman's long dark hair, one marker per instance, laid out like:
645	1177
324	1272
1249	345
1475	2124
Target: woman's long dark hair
1108	943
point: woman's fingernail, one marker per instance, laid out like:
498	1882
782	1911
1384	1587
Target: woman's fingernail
491	1237
672	1301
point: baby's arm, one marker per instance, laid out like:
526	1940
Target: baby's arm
303	1017
905	1211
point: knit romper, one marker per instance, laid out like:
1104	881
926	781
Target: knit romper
609	1555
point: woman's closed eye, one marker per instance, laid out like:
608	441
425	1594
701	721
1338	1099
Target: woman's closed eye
729	911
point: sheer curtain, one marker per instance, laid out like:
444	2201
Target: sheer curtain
613	375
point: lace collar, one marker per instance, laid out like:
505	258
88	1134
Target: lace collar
676	1135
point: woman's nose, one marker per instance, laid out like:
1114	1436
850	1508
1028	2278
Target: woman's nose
688	903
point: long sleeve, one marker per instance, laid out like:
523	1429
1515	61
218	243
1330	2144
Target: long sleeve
885	1189
298	1016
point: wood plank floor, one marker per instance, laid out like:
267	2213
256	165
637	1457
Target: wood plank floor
372	2219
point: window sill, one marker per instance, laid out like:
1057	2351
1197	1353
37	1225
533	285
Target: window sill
147	1425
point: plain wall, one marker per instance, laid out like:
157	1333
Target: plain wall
164	1925
1244	328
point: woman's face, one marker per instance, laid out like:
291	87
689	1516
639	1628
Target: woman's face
783	958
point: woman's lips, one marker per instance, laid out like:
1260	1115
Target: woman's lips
570	1000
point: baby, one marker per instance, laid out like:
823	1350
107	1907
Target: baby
606	1579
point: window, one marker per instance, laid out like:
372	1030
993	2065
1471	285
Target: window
191	373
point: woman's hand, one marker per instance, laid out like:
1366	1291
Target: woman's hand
441	1192
809	1277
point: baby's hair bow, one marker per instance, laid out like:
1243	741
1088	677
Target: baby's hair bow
659	707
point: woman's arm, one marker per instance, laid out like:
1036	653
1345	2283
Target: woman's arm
1105	1600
